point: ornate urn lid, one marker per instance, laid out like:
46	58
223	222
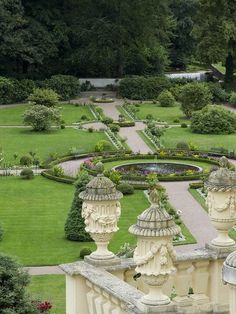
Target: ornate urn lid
229	269
222	178
100	188
155	221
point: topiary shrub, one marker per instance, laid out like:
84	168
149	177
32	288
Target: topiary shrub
125	188
26	160
114	128
182	146
41	117
75	226
44	97
13	296
27	174
103	145
67	86
84	252
194	96
166	99
213	120
107	120
183	125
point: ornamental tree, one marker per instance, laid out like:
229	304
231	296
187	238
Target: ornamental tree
213	120
75	226
45	97
194	96
13	297
41	117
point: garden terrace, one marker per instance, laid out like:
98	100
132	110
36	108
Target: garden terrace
41	240
71	113
56	142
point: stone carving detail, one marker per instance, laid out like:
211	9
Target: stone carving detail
221	202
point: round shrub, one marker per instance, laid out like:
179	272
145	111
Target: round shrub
103	145
114	128
7	90
84	252
107	120
27	174
84	117
125	188
194	96
67	86
213	120
44	97
26	160
182	146
166	99
184	125
218	93
233	98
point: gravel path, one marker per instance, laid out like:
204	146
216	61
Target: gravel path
193	215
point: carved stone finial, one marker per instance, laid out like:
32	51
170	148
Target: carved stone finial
99	167
154	197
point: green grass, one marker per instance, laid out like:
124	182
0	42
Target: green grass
33	214
203	141
109	165
167	114
23	140
49	288
70	113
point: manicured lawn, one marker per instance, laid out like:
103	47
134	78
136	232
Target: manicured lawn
33	214
23	140
161	113
203	141
109	165
49	288
70	113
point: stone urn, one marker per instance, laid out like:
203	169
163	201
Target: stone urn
154	254
221	202
101	211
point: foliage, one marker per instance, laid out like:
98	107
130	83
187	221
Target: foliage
58	171
45	97
218	93
67	86
215	31
166	99
107	120
233	98
41	117
114	128
182	146
75	226
125	188
126	250
27	174
213	120
26	160
1	232
194	96
13	297
84	252
103	145
114	176
143	87
6	90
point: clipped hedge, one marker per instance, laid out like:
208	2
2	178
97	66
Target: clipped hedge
124	123
143	87
64	179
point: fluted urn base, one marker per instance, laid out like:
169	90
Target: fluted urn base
223	227
155	296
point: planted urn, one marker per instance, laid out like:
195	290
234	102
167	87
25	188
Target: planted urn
221	202
155	254
101	212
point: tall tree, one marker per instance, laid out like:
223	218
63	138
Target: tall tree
215	31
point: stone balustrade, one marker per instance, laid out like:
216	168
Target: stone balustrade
195	287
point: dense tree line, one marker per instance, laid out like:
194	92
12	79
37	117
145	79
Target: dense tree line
39	38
